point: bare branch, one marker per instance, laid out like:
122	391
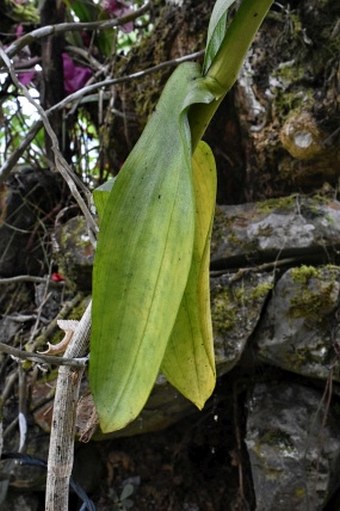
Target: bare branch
29	278
60	162
6	168
16	155
114	81
61	452
48	30
45	359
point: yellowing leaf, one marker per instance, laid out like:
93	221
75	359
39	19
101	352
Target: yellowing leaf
143	256
189	362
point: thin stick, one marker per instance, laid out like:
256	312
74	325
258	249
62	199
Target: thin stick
76	96
60	162
61	452
49	30
60	461
43	359
29	278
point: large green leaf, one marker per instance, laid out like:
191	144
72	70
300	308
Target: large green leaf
189	362
143	256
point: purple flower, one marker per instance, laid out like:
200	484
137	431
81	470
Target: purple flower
19	30
75	77
26	77
118	8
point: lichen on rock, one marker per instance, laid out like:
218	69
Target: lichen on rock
294	454
236	303
299	328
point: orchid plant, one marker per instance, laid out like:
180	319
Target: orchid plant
151	309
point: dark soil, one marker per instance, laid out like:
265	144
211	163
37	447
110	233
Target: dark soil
199	464
194	465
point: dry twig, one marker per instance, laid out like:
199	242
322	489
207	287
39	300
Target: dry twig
60	457
48	30
60	462
43	359
79	95
29	278
61	164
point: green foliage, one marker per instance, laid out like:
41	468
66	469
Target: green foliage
151	273
227	60
101	194
16	125
143	256
23	12
90	11
189	362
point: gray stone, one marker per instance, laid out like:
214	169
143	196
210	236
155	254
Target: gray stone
288	226
236	305
293	443
294	225
299	330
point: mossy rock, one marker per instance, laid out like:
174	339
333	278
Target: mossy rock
75	253
299	328
265	230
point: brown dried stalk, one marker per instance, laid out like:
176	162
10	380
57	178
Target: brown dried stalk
60	457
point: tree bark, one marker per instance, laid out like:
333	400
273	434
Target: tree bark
288	84
52	87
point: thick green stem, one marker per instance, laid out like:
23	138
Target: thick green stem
227	63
